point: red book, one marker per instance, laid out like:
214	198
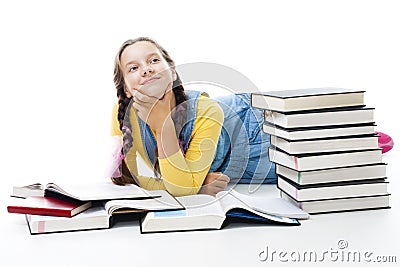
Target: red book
50	206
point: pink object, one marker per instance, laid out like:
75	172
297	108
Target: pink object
116	158
385	142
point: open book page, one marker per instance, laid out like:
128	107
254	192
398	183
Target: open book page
201	204
273	206
165	202
100	191
229	202
32	190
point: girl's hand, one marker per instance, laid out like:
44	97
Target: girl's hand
214	183
152	110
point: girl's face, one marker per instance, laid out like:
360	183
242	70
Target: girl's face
145	70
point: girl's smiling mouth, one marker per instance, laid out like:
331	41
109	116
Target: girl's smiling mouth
150	80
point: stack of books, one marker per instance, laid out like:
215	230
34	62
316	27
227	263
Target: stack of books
325	149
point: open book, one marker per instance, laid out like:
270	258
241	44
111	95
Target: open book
99	216
208	212
85	191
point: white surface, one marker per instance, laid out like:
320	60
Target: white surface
237	245
57	93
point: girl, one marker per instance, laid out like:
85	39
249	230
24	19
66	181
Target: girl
194	143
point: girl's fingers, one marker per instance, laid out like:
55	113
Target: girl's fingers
224	178
219	184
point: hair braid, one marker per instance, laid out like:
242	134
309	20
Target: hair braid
124	124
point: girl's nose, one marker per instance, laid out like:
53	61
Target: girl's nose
147	70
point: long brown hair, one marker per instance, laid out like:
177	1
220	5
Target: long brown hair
124	106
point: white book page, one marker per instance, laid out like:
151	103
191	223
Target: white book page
228	202
100	190
273	206
165	202
31	190
200	205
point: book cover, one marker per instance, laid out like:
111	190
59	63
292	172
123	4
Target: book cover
325	160
329	144
341	204
307	99
316	118
333	190
295	93
41	205
310	133
348	173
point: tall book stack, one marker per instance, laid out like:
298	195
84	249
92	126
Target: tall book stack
325	149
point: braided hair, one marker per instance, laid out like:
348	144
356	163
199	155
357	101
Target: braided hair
124	104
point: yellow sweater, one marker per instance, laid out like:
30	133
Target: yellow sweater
181	174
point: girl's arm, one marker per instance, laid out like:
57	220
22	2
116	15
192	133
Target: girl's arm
185	174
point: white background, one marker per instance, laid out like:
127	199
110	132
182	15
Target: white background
56	71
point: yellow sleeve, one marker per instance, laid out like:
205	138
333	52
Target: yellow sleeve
114	121
185	174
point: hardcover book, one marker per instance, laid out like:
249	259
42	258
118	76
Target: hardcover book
325	160
340	204
100	215
310	133
347	189
50	206
307	99
326	117
341	174
208	212
331	144
93	218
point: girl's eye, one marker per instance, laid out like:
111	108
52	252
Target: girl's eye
154	60
132	69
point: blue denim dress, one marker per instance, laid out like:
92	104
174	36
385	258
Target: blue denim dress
242	149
